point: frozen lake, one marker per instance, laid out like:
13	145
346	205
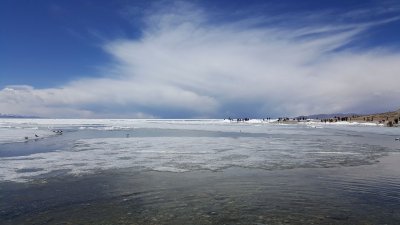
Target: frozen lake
213	170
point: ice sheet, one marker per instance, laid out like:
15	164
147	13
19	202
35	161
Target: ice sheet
180	154
278	146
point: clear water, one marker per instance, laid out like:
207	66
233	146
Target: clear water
199	172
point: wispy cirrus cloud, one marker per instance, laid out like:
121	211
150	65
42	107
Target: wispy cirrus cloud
186	66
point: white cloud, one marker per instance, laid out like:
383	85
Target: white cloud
185	66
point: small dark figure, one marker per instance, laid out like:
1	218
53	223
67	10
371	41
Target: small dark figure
36	135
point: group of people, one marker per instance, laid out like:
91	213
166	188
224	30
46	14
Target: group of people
246	119
239	119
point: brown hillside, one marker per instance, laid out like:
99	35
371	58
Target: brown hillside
387	118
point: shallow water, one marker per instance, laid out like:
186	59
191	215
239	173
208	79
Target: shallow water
194	172
356	195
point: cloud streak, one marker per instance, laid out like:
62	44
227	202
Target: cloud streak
186	66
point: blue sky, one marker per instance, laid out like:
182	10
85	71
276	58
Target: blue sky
202	59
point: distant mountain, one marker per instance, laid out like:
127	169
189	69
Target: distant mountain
385	114
389	118
15	116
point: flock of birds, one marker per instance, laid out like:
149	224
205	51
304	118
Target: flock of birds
59	132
